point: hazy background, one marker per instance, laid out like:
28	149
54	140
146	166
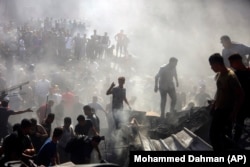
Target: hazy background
189	30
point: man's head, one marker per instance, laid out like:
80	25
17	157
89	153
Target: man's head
81	119
5	103
121	81
67	121
216	62
87	110
33	121
50	118
235	61
173	61
225	41
26	126
57	133
16	127
202	89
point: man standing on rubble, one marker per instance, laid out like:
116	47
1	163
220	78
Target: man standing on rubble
164	78
228	101
243	74
119	95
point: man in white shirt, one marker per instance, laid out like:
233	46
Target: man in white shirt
231	48
41	90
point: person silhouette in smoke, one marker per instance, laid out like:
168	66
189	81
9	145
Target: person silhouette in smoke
119	95
5	113
78	45
119	39
164	78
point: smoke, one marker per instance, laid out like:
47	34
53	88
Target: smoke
158	30
188	30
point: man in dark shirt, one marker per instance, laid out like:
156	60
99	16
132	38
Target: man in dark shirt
84	127
18	145
4	115
119	95
164	81
48	122
81	147
243	74
88	111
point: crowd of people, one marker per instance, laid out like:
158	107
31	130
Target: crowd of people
66	68
62	66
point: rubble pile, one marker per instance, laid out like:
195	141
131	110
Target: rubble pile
193	119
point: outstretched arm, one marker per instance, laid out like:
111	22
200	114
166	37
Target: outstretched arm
21	112
156	82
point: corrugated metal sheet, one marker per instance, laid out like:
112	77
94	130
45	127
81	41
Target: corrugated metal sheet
184	140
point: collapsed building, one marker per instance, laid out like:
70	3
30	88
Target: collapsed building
187	130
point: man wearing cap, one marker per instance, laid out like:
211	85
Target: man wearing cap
4	115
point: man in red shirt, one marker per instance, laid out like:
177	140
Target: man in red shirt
44	110
68	97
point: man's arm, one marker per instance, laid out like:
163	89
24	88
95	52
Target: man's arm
21	112
94	131
29	151
176	78
156	81
126	101
41	131
101	108
109	91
